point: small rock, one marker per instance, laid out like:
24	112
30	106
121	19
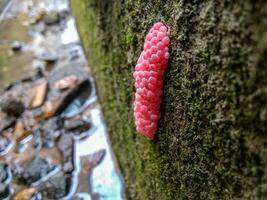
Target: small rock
38	65
39	16
94	159
57	187
51	18
76	125
75	53
37	114
75	69
12	106
39	93
4	191
29	120
32	171
66	147
37	139
67	82
49	57
75	99
47	133
49	109
36	196
59	101
36	18
82	196
6	121
17	96
20	131
5	174
4	145
25	194
21	147
16	46
52	124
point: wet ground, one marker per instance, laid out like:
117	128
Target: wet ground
53	142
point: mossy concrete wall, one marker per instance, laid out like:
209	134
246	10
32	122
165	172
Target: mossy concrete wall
212	138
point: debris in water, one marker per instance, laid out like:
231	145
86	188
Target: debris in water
34	170
5	173
79	98
36	196
12	106
38	114
26	194
75	98
49	57
48	109
18	91
39	93
20	131
6	121
66	146
76	125
57	187
66	83
72	69
5	145
47	133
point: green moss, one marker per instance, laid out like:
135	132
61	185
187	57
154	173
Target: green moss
212	135
130	37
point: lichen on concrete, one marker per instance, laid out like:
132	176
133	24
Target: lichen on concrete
212	135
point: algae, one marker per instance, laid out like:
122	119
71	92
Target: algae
212	134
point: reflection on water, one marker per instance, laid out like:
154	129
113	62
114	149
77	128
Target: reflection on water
105	180
70	34
50	46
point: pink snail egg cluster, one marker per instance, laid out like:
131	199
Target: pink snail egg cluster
148	77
